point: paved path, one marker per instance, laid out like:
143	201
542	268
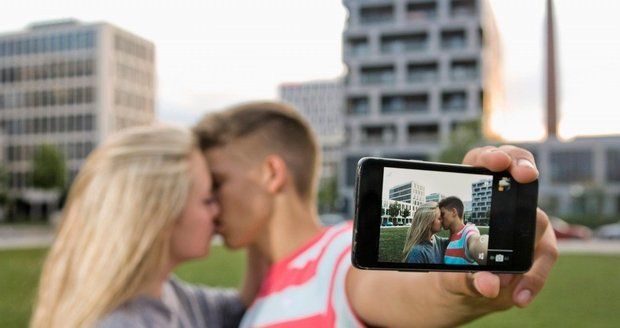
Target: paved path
15	237
41	236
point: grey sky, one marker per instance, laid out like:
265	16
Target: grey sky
446	183
214	53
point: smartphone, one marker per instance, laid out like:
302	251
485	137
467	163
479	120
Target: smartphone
424	216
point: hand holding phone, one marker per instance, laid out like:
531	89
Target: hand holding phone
422	216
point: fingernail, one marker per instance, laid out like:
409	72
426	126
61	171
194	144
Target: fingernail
524	297
525	162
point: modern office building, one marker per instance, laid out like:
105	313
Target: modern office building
580	176
410	192
435	197
481	201
415	71
321	103
70	84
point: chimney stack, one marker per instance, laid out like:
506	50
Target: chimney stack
551	76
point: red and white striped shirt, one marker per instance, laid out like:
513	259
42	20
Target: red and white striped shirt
307	289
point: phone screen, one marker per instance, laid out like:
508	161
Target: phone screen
416	229
415	215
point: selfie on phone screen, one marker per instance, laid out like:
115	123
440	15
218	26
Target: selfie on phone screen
415	215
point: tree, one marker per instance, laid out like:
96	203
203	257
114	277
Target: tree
393	211
328	194
406	212
49	170
463	138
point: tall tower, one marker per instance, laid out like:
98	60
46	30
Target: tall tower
414	73
551	74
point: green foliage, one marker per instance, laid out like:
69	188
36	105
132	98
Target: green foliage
462	139
4	185
393	210
406	212
328	195
49	170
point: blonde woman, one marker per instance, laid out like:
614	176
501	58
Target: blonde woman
141	204
422	245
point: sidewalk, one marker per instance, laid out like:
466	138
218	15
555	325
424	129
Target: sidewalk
12	237
594	246
16	237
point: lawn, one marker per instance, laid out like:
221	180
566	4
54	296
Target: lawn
581	292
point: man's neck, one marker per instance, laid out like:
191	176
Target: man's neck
293	224
457	226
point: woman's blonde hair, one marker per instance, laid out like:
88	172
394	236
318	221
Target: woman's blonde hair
114	234
421	226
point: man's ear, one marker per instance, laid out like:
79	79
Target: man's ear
275	173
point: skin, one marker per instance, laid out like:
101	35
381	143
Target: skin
191	234
278	221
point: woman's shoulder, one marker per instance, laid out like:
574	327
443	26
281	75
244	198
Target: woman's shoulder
141	311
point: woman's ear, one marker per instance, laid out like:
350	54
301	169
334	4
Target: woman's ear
275	173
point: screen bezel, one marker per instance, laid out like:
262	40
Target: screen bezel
367	223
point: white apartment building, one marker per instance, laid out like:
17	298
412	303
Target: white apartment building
481	195
70	84
321	103
415	71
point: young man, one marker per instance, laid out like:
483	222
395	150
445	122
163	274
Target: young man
264	162
466	245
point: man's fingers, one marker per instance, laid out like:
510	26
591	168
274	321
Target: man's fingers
542	224
488	157
545	256
518	161
523	166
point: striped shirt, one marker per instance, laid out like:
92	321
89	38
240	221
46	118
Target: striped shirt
456	253
307	289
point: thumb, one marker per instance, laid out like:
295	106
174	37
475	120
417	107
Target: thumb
483	284
486	284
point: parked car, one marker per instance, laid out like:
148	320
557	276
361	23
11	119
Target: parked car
609	231
565	230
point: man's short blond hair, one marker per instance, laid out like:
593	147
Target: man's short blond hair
270	128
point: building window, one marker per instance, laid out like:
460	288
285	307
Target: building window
422	72
378	75
423	133
454	101
404	103
376	15
358	106
379	134
464	69
421	11
613	165
358	47
571	166
399	43
463	8
453	39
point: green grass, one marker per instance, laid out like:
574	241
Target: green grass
582	290
392	241
20	270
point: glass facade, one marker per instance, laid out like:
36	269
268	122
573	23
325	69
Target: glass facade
48	43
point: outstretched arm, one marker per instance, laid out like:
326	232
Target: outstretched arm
477	247
398	299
